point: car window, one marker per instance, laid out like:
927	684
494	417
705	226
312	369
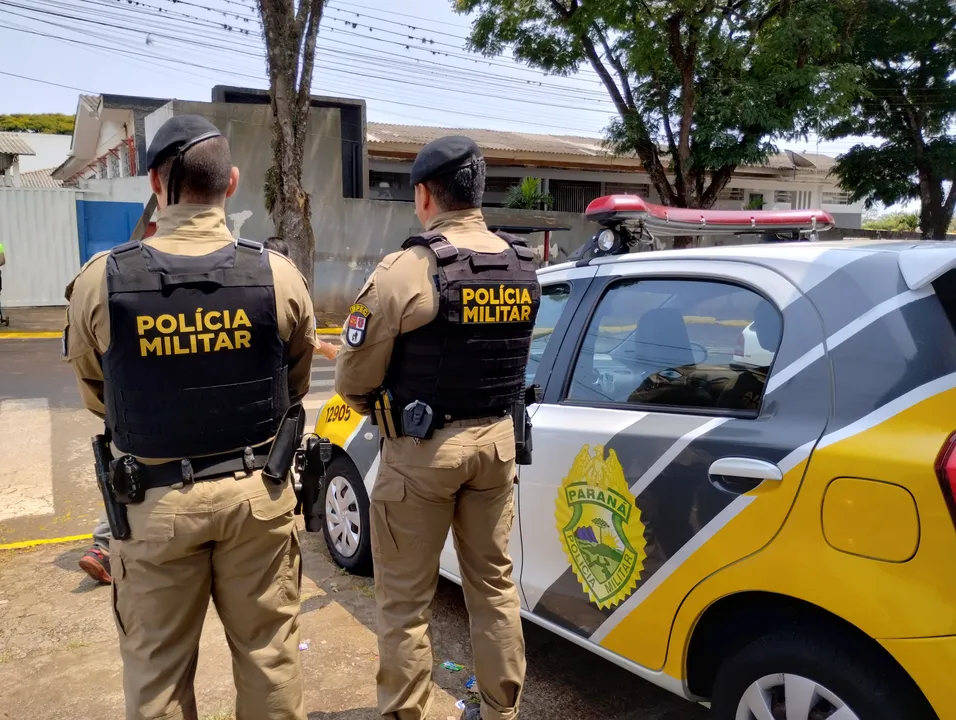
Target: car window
554	299
694	344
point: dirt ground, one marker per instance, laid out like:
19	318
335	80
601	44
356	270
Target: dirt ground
59	660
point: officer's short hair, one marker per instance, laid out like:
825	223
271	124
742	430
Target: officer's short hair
459	190
206	170
277	244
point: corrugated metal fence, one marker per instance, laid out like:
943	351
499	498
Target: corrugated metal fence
39	233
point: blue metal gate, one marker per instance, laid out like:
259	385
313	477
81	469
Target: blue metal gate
103	225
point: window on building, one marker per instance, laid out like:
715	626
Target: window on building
782	196
390	186
573	195
113	167
756	201
642	189
831	197
692	345
732	194
500	184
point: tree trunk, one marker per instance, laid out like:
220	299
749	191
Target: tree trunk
290	36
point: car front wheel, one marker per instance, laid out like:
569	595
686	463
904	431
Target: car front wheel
791	676
345	518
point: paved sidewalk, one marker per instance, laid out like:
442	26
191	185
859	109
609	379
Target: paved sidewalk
37	322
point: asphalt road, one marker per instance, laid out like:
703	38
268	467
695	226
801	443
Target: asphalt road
47	490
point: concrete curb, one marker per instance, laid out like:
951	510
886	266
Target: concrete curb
44	541
38	335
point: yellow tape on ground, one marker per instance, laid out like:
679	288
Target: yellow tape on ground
328	331
39	335
44	541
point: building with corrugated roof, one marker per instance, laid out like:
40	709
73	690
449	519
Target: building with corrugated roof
576	170
12	148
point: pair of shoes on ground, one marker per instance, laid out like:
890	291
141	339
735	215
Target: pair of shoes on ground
96	564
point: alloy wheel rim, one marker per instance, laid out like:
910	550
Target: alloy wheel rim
342	516
785	696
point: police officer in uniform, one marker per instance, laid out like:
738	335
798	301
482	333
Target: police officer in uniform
192	346
436	347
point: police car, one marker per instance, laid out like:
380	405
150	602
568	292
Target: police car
774	539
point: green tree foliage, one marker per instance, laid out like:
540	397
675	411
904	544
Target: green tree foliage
894	222
46	123
700	86
527	195
907	49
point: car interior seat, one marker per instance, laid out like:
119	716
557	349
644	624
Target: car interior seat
661	341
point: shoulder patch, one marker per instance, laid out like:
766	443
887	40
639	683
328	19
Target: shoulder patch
356	325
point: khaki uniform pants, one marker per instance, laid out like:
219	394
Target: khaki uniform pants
231	539
463	478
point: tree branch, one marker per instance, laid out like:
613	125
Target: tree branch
616	64
304	96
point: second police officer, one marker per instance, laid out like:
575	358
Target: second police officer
192	346
436	348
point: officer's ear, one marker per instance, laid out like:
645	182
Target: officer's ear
155	184
233	182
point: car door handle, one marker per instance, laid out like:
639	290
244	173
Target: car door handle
740	467
737	475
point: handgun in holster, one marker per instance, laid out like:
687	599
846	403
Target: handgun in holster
311	463
522	423
286	443
115	510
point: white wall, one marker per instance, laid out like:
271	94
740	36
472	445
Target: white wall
133	189
41	243
51	151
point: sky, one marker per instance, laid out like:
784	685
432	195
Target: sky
406	59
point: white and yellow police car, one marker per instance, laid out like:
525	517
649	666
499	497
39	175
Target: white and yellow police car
772	537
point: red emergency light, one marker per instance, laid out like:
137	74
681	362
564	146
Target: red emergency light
662	220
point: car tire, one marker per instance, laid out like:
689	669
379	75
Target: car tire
344	501
824	668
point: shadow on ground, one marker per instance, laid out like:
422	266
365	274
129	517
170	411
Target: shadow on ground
563	681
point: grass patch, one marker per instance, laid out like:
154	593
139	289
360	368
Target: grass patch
219	715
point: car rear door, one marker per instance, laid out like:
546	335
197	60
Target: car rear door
653	467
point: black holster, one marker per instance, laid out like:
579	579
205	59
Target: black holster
286	443
115	511
522	422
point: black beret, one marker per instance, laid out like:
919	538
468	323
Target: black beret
177	133
444	155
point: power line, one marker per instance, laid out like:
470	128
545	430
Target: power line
258	53
466	113
45	82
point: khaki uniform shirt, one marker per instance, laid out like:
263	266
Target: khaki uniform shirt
401	295
190	230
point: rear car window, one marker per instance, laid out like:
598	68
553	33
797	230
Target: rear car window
681	344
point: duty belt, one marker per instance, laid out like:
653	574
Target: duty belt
387	414
131	478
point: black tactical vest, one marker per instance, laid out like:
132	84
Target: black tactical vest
195	364
470	360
